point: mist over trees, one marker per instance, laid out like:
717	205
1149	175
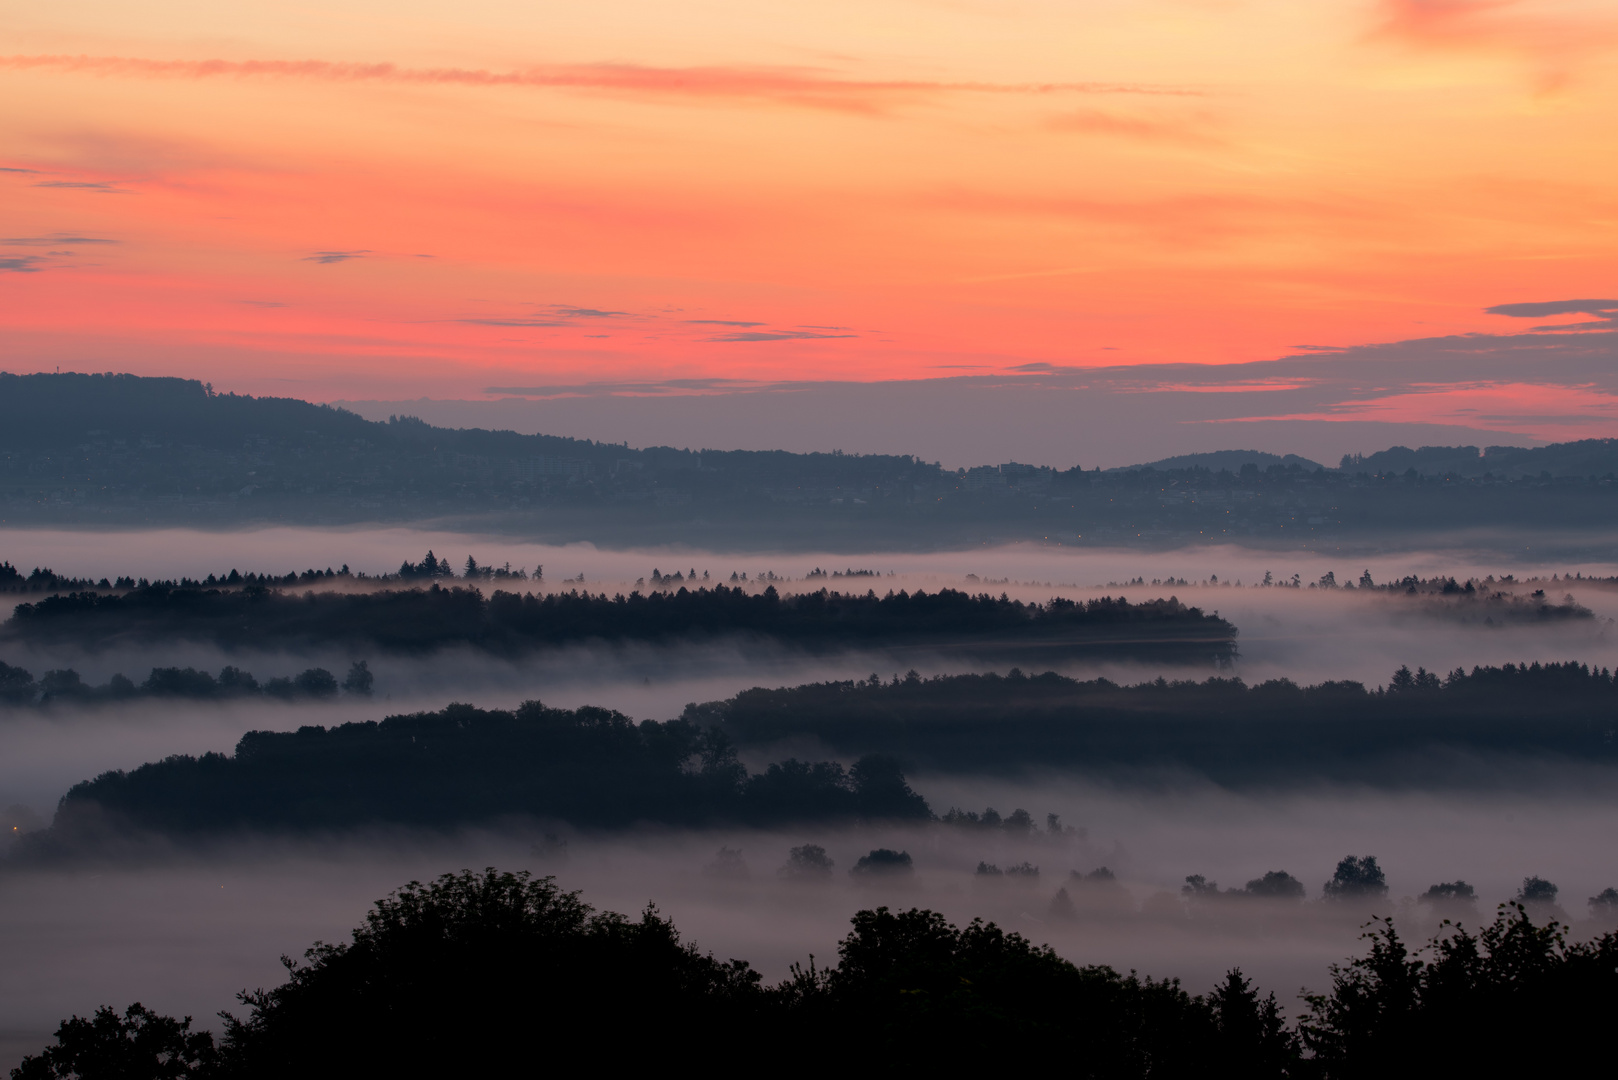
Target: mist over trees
463	765
1271	732
597	767
510	623
451	977
64	686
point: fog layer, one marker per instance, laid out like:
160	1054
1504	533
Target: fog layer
183	936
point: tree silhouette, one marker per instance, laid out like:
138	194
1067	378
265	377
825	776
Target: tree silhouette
1356	878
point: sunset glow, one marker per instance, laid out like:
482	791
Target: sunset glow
358	199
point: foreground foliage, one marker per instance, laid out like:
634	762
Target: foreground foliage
497	973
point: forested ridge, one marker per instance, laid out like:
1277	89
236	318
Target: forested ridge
596	767
1222	727
464	765
509	623
107	449
496	973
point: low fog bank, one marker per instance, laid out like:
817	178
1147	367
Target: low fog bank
1303	634
173	553
183	934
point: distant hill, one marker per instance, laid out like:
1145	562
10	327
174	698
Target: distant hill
1230	460
1584	458
120	450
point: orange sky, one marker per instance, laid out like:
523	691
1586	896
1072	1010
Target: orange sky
358	198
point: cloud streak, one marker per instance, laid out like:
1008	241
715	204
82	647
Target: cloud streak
799	86
777	335
53	240
105	187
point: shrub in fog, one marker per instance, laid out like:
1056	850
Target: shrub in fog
1604	904
1450	896
1536	890
883	862
359	679
1276	885
807	863
728	864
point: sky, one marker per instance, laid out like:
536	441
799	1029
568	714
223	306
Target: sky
1336	212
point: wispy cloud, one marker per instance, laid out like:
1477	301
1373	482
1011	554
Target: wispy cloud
567	311
1607	309
105	187
54	240
336	256
513	322
777	335
1097	122
1606	312
799	86
637	389
20	264
721	322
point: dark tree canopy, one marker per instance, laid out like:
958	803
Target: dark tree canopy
463	765
511	623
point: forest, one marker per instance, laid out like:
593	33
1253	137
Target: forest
476	973
594	767
1272	732
464	765
65	686
511	623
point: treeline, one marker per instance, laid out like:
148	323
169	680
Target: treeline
65	686
1222	727
511	623
44	579
463	765
482	973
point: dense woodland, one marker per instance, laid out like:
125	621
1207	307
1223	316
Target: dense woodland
1273	732
493	973
595	767
510	623
463	765
125	450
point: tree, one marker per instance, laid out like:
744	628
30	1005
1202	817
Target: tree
1536	890
1253	1040
807	863
1356	878
880	790
139	1045
359	679
459	977
1277	885
883	862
